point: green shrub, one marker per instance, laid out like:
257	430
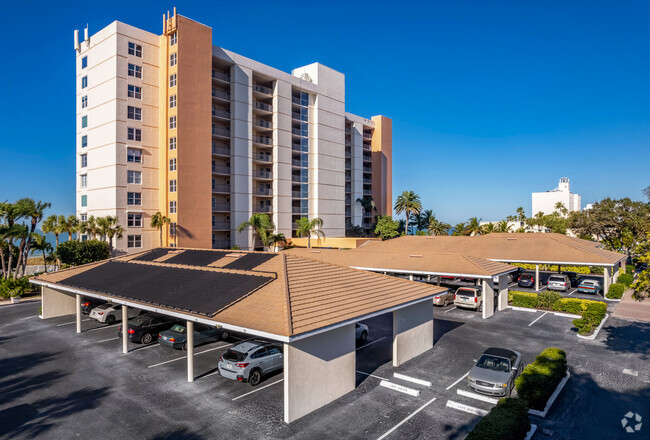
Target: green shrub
82	252
524	299
14	288
508	420
538	380
615	291
584	326
548	298
625	279
569	305
629	269
591	318
596	270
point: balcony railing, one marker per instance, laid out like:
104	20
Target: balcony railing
221	226
366	147
348	178
221	94
263	174
367	192
219	113
220	244
301	148
348	165
348	200
298	210
367	136
367	169
299	116
221	151
367	214
221	76
366	180
221	188
265	140
299	163
366	225
300	179
221	207
298	195
298	101
263	157
219	169
262	89
263	106
263	192
348	154
348	212
265	209
218	131
296	131
367	158
262	123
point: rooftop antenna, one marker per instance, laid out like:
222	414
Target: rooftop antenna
86	39
76	40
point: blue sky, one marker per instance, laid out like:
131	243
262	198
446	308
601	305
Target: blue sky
490	101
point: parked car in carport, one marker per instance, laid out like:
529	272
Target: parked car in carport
559	282
526	280
574	277
361	332
110	313
495	372
250	361
87	304
513	277
145	328
590	286
176	337
444	298
469	297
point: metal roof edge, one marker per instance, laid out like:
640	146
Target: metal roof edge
561	263
419	272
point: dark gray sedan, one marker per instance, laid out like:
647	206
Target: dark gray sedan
495	372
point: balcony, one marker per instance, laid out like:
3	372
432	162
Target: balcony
366	180
348	213
221	151
296	131
299	116
220	169
299	148
263	174
221	226
299	210
300	179
366	147
298	195
262	89
225	77
348	200
299	163
263	209
262	123
367	158
221	188
266	158
219	113
263	192
264	140
367	136
367	214
222	132
367	192
221	244
297	100
348	165
367	169
263	106
220	94
221	207
348	178
367	225
348	154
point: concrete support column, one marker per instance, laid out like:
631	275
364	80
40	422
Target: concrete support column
411	277
438	280
190	351
78	302
412	331
55	303
488	298
537	278
125	330
503	292
607	278
616	273
318	370
428	277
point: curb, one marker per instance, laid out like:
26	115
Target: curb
22	301
531	310
597	329
531	433
523	309
563	382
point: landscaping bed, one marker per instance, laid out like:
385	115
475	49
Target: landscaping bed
539	380
508	420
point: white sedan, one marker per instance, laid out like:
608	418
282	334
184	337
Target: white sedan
110	313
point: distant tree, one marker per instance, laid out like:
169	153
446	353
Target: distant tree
421	220
307	228
386	228
261	225
109	227
436	227
158	221
503	226
488	228
460	229
40	243
474	226
401	226
646	192
278	240
408	203
561	209
521	215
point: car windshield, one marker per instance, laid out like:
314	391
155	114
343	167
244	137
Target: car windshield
105	306
468	292
588	283
139	320
556	278
178	328
234	356
493	363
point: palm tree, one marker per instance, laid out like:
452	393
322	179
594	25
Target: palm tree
109	227
435	226
158	220
408	203
40	243
401	226
10	213
261	225
559	207
460	229
34	211
277	240
421	220
91	227
488	228
70	225
474	227
521	215
536	220
306	228
503	226
353	230
19	232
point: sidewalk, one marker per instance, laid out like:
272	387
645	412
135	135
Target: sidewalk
631	309
6	302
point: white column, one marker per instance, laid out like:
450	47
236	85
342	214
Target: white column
190	351
488	298
78	302
503	292
411	277
607	275
125	331
537	278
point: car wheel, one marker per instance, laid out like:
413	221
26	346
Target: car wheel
184	346
224	335
255	377
146	338
110	320
480	308
446	303
364	336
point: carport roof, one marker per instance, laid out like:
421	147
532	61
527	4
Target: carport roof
273	295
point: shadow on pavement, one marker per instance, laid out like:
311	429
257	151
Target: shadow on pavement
178	434
631	337
443	326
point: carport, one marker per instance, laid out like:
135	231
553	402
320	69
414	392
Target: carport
310	306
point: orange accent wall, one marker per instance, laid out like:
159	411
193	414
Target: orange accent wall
382	165
194	133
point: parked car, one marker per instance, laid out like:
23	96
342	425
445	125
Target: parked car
575	278
590	286
87	304
361	332
110	313
513	277
447	278
176	337
146	328
559	281
469	297
443	299
495	372
526	280
250	361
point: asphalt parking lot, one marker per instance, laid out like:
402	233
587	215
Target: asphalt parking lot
57	384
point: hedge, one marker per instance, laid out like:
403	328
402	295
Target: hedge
508	420
629	269
539	380
553	268
575	305
591	318
615	291
524	299
82	252
14	288
548	298
626	279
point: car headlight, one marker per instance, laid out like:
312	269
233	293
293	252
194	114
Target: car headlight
502	385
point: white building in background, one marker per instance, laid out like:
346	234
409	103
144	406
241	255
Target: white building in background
546	201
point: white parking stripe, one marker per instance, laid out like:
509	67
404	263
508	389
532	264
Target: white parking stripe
407	419
426	383
372	375
73	322
466	408
463	377
106	340
400	388
543	314
257	389
184	357
449	310
101	328
477	396
370	343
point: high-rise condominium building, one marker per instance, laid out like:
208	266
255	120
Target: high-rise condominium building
208	137
546	202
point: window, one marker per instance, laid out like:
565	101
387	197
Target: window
84	141
173	59
84	62
133	198
172	207
135	71
172	101
84	180
134	134
134	113
84	121
84	101
172	164
135	92
172	80
172	186
134	241
84	201
133	155
83	217
173	39
84	82
135	49
134	220
84	160
134	177
172	143
172	122
172	229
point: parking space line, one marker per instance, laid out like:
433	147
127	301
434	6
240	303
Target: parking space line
400	388
477	396
449	310
372	375
184	357
543	314
101	328
70	323
466	408
463	377
426	383
257	389
106	340
406	419
370	343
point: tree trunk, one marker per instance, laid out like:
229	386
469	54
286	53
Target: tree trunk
161	228
21	250
2	259
11	257
110	244
308	241
406	225
44	260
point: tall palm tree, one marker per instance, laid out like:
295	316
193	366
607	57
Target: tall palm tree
21	233
158	220
10	213
277	240
4	232
435	226
306	228
521	215
408	203
536	220
91	227
34	211
40	243
421	220
559	207
474	226
109	227
503	226
261	225
460	229
71	224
